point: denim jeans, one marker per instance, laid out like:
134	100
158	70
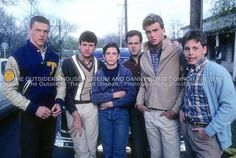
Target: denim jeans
114	128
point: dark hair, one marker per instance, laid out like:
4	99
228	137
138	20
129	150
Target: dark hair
40	19
133	33
109	45
88	36
195	34
151	19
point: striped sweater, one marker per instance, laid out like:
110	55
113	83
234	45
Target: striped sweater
78	81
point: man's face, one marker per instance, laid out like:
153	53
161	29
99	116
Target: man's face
134	45
39	34
194	51
154	33
111	56
87	49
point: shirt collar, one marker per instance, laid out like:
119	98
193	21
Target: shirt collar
81	58
198	66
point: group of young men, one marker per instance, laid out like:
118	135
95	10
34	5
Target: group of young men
176	86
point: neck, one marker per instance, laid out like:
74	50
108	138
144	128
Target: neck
41	48
135	58
158	46
86	60
111	66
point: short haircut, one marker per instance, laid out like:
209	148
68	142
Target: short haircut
88	36
151	19
40	19
109	45
195	34
133	33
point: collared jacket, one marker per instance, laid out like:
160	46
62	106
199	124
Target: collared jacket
102	90
163	91
221	97
30	81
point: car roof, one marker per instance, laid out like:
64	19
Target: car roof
124	54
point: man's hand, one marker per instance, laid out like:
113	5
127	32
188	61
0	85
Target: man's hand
181	116
77	124
56	110
106	105
43	112
169	114
119	94
201	133
142	108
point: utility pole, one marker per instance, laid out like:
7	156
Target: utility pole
126	19
196	14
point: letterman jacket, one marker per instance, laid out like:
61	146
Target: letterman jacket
30	81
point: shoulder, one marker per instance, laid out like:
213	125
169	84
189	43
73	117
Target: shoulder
20	51
100	63
172	45
125	70
215	68
52	54
67	62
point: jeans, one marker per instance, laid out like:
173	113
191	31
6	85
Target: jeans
114	128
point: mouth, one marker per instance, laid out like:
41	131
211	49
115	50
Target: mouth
153	40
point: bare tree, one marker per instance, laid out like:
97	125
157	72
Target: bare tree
59	31
175	27
9	32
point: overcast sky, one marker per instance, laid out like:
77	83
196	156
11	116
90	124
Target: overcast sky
103	16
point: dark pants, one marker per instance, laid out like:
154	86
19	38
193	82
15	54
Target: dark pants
139	142
114	128
36	136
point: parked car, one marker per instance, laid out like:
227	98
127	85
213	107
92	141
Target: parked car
5	106
63	138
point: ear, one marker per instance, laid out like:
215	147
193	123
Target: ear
205	50
29	31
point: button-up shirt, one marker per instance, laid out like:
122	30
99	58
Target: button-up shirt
155	56
195	101
135	69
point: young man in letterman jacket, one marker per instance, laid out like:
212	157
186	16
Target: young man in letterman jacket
30	81
82	114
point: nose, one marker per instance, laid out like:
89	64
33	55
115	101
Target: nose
42	33
190	52
151	34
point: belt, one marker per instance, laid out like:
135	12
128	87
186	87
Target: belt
198	124
157	109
